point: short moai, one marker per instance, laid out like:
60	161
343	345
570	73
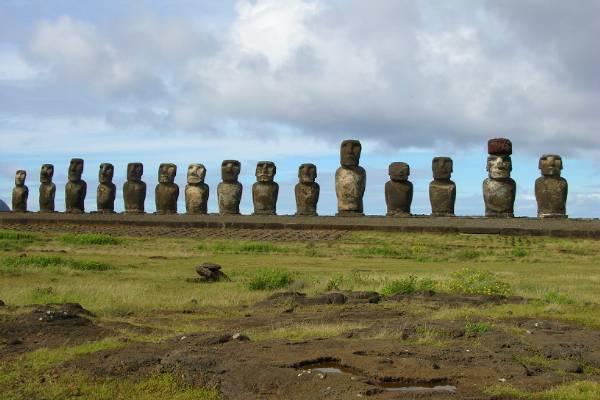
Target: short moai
442	190
499	189
265	190
398	190
229	191
76	188
307	190
196	191
20	192
107	191
551	189
47	188
166	192
134	189
350	180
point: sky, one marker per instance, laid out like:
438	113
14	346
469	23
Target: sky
199	81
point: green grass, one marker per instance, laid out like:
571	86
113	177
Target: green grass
12	263
557	298
242	247
270	279
576	390
471	281
409	285
477	327
96	239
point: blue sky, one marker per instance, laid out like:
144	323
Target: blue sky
287	80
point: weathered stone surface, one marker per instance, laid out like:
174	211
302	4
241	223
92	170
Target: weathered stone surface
20	192
499	190
47	188
307	190
134	189
398	190
500	147
551	189
166	192
265	190
107	191
196	191
76	188
350	180
442	190
210	272
229	191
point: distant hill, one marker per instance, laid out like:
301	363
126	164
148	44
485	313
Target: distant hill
4	206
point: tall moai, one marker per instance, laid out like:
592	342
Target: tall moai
551	189
350	180
499	189
398	190
20	192
265	190
47	188
229	191
166	192
307	190
196	191
107	191
442	190
134	189
76	188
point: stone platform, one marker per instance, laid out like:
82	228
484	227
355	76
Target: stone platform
137	224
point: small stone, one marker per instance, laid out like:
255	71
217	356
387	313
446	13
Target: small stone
502	380
241	337
14	341
210	272
2	304
435	366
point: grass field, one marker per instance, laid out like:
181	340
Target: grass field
129	279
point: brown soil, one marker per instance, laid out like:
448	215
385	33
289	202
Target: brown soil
385	352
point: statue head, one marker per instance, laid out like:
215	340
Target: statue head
550	164
350	153
196	173
135	171
265	171
20	177
230	170
399	171
46	173
105	175
442	167
75	169
499	166
167	172
307	173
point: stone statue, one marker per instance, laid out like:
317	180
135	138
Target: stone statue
47	188
134	189
551	189
166	192
76	188
499	190
398	190
350	180
265	190
442	191
307	190
107	191
196	191
20	192
229	192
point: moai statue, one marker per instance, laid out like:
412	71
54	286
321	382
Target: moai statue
442	191
76	188
398	190
166	192
107	191
499	189
196	191
350	180
134	189
229	192
20	192
265	190
47	188
551	189
307	190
